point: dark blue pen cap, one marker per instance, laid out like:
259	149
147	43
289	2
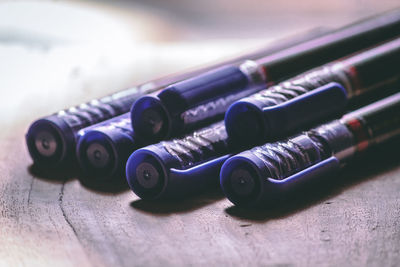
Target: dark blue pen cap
150	119
203	88
250	120
147	171
102	153
246	180
50	141
241	179
159	117
153	173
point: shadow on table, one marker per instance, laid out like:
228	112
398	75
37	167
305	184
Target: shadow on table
362	169
54	175
72	171
112	186
164	207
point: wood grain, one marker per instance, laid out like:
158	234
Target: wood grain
53	220
354	221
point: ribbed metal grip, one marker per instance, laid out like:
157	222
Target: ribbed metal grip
202	145
285	158
101	109
299	85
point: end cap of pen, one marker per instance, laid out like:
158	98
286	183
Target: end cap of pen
241	179
146	172
150	120
244	123
50	141
102	155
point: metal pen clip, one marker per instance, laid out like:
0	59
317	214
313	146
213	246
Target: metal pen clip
319	169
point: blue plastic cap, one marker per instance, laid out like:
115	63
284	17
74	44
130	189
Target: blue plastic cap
241	179
150	120
147	171
51	142
102	154
248	120
203	88
152	173
246	181
104	148
244	123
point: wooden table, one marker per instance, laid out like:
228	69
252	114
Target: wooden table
55	221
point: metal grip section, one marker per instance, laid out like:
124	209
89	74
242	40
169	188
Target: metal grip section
301	84
202	145
295	154
121	124
288	157
102	109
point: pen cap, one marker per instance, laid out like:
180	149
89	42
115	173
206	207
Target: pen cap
150	120
241	179
49	141
242	174
103	150
268	172
184	165
154	174
157	119
147	171
210	85
249	120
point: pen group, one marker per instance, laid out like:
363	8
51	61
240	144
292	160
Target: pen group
259	125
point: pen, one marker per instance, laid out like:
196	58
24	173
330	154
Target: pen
51	140
179	167
263	174
301	101
202	99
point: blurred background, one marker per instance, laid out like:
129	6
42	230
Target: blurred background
54	54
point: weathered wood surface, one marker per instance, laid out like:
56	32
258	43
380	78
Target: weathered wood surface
59	222
55	221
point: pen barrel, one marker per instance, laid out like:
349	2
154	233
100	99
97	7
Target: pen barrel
372	69
200	146
334	45
375	123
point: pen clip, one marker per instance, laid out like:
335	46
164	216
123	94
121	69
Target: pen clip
324	167
305	109
196	178
199	171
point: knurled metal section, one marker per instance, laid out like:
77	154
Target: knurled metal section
200	146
